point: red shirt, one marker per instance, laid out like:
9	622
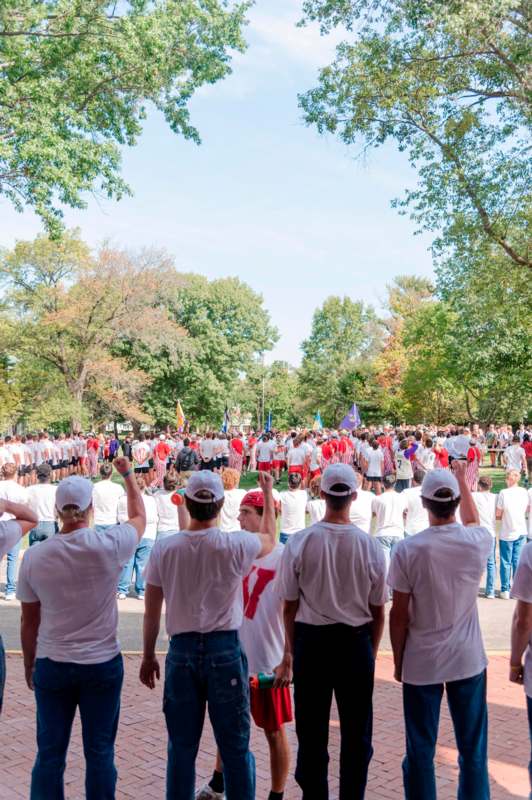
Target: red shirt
527	447
162	450
442	457
327	451
237	445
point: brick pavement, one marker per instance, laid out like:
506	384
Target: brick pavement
142	742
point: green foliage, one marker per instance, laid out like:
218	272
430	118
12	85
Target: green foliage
76	77
345	335
450	83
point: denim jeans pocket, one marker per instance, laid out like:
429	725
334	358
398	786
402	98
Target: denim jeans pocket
229	676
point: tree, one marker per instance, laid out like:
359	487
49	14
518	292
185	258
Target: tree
227	328
450	83
68	311
405	297
345	335
76	77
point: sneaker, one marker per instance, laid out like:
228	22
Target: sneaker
10	596
120	596
504	595
489	596
140	596
206	793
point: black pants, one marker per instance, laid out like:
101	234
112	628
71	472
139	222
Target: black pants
327	659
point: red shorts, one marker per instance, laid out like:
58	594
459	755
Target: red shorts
278	464
296	468
271	708
264	466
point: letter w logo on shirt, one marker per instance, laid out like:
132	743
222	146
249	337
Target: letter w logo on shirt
251	601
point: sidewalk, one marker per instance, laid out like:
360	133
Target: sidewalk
141	743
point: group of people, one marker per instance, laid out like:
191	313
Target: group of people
305	606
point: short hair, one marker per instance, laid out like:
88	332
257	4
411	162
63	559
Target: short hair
511	472
106	470
428	442
230	478
403	444
8	470
419	475
388	481
440	509
315	486
485	482
516	438
73	513
186	441
294	480
171	481
203	512
375	444
339	502
418	436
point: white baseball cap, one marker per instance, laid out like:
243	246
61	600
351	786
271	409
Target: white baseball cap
205	481
162	436
438	479
74	491
339	473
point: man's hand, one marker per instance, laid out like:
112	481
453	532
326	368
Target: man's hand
122	464
149	670
283	673
28	673
516	673
459	468
266	482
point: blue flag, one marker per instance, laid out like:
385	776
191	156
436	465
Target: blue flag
318	425
225	426
268	425
351	420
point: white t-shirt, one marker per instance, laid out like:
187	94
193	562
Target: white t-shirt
207	449
427	458
404	466
231	509
10	533
417	518
168	519
462	443
388	509
293	508
297	456
486	503
150	509
265	451
15	493
514	502
262	630
74	577
441	568
41	500
522	590
200	573
105	497
375	459
316	509
350	577
513	457
360	512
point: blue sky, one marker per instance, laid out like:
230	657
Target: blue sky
264	197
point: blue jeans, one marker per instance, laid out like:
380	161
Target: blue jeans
388	543
401	484
42	532
207	670
2	672
59	689
509	553
12	568
137	562
529	711
490	570
469	713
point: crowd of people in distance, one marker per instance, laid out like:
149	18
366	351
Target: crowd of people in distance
264	588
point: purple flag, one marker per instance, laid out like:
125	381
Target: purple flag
351	420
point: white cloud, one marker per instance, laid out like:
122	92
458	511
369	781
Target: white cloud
281	34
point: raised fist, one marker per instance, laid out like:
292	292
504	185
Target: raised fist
266	482
122	464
